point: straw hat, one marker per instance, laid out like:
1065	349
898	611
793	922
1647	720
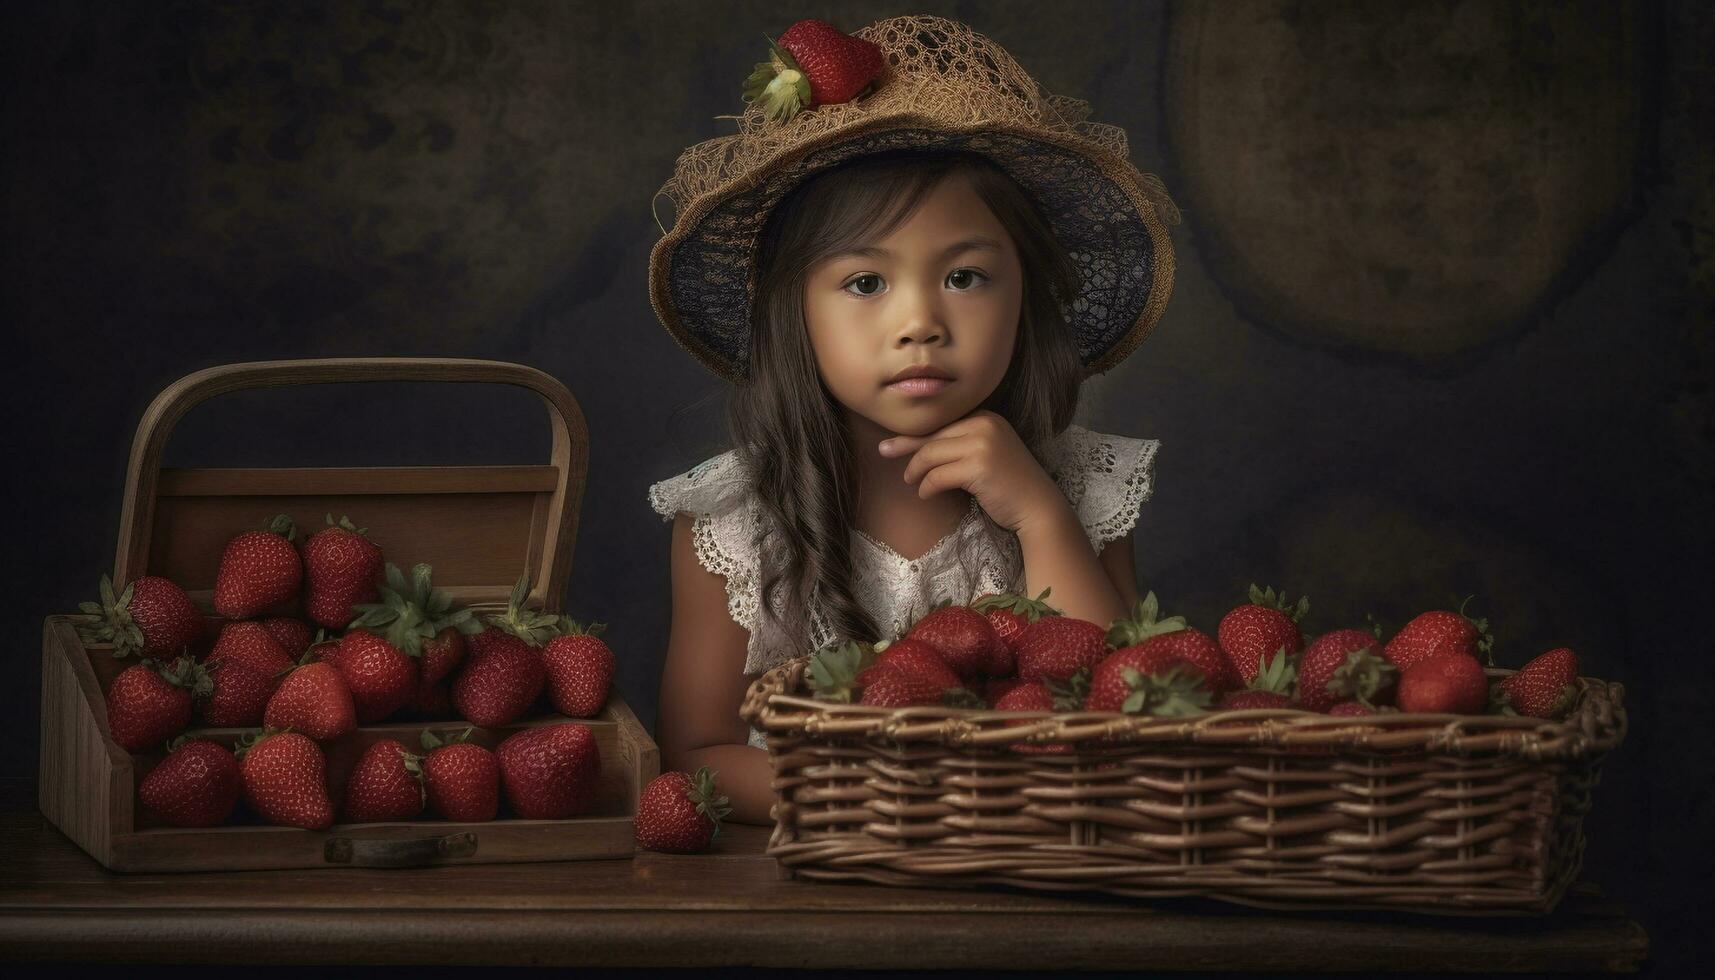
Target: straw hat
943	86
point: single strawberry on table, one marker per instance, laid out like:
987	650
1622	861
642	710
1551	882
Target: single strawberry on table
341	569
151	701
813	64
258	570
151	617
579	667
1543	688
461	779
285	779
1438	632
196	785
965	639
1250	633
313	699
550	772
679	813
386	784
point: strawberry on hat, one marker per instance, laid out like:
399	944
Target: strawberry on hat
814	63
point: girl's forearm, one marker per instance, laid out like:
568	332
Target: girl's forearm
742	773
1057	554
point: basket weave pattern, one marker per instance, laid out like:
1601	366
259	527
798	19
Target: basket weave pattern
1268	808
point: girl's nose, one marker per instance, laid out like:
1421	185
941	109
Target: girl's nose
922	325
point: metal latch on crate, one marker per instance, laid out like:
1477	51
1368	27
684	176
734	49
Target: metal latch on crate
362	853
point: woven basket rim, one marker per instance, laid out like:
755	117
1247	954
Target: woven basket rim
1596	725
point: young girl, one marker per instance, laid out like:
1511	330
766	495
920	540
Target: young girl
908	290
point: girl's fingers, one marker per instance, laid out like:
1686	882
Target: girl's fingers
902	445
961	473
936	453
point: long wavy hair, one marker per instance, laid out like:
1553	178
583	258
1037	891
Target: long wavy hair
790	431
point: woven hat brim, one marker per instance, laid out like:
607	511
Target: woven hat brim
701	285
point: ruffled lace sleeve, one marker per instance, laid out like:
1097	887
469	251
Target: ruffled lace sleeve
716	493
1106	479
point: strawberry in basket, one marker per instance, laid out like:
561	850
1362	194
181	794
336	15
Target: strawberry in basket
196	785
1148	631
1451	683
1439	632
419	621
258	570
965	640
1271	687
1543	688
461	778
315	700
1058	647
1340	666
550	772
1253	632
908	673
1009	615
151	701
341	567
285	779
382	677
503	674
579	666
247	665
152	617
386	784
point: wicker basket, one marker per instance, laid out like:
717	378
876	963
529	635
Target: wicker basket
1280	809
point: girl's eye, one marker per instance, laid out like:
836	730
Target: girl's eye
867	284
963	279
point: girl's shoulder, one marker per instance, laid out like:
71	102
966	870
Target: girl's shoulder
1105	477
718	485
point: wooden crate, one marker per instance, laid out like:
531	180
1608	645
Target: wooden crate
480	526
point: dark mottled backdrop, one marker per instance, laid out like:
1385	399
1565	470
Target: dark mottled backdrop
1442	323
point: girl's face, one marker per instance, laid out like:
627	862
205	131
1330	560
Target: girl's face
942	290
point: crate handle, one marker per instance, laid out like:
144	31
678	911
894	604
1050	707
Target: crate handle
142	477
360	852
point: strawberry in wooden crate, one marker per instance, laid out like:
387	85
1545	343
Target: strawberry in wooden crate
679	813
151	617
503	674
421	641
313	699
386	784
151	702
293	635
247	665
285	779
550	772
341	569
579	666
258	570
461	779
196	785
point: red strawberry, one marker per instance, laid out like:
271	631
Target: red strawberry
679	813
284	777
314	700
1042	696
152	617
501	679
386	784
1058	647
996	688
196	785
1351	708
150	702
462	780
382	677
1009	614
579	668
1252	698
1260	628
419	619
258	569
1545	687
550	772
340	571
1196	647
1152	677
1439	632
965	640
1341	665
293	635
1453	683
247	665
909	672
814	63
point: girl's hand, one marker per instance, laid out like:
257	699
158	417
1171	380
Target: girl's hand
982	455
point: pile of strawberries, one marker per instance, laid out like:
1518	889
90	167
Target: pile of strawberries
400	651
1011	653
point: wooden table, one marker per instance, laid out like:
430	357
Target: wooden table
727	907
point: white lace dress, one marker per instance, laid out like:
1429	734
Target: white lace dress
1106	479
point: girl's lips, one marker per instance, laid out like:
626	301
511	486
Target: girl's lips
920	386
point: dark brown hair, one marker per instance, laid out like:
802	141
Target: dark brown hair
790	431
